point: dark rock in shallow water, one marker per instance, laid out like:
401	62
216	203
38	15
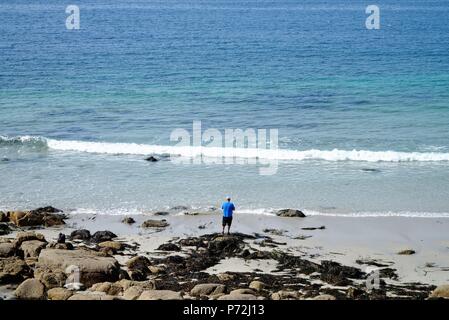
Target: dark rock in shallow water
155	224
81	234
370	170
302	237
187	213
161	213
101	236
407	252
151	159
5	160
179	208
314	228
169	247
290	213
275	232
128	220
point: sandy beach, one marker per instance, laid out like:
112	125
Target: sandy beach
408	254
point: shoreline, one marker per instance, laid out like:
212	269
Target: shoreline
379	238
366	244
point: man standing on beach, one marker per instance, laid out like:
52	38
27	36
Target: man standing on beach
228	208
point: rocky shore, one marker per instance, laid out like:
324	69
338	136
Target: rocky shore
45	255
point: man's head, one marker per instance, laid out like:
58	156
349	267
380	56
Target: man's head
228	199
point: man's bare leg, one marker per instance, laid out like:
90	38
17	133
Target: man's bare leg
229	227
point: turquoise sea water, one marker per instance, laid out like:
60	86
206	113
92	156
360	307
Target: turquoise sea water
137	70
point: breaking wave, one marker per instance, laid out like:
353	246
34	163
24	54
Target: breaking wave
192	151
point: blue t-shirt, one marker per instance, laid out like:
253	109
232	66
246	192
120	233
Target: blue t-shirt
227	207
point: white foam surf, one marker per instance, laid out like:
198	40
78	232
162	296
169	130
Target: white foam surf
270	212
214	152
272	154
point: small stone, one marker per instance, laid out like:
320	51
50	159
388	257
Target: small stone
109	288
194	213
407	252
132	293
155	224
116	246
238	296
216	296
59	294
179	208
51	220
82	234
62	246
324	297
50	278
61	238
139	262
101	236
285	295
169	247
225	277
257	285
32	248
85	296
242	291
7	249
30	289
314	228
161	213
207	289
160	295
440	292
157	269
354	293
290	213
151	159
13	270
4	229
128	220
3	217
27	236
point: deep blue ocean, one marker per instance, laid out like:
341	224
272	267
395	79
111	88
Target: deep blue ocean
362	115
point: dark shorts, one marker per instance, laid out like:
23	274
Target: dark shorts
227	221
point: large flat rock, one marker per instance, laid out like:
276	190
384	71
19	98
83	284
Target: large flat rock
92	267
